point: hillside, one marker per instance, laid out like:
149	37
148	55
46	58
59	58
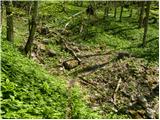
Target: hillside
80	66
30	92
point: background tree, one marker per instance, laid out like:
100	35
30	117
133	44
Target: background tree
33	28
106	10
120	17
115	9
131	10
1	9
90	10
9	16
141	14
146	23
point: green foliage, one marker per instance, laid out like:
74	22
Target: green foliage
123	35
30	92
78	102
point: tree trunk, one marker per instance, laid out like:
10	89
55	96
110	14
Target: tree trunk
32	29
9	15
115	9
146	23
29	20
106	10
141	14
131	10
1	9
120	17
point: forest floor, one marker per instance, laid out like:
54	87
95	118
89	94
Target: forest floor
115	80
118	74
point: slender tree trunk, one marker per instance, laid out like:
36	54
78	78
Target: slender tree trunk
141	14
32	29
115	9
131	10
1	9
29	20
138	9
146	23
120	17
9	15
106	10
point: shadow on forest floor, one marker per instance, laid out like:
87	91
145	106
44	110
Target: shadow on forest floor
93	55
91	68
125	29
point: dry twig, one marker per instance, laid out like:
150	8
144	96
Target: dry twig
116	90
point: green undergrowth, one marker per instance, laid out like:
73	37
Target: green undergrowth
124	35
30	92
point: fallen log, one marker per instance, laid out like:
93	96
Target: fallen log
70	64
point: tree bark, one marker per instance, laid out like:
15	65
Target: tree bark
32	29
115	9
141	14
29	20
131	10
9	15
106	10
120	17
1	9
146	23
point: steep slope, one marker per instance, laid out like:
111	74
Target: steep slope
30	92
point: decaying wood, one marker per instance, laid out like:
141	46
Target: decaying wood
70	64
66	47
63	42
123	54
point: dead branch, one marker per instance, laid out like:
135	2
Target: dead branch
116	90
72	52
87	81
70	18
66	47
76	14
84	81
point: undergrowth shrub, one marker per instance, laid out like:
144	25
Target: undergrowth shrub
28	91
